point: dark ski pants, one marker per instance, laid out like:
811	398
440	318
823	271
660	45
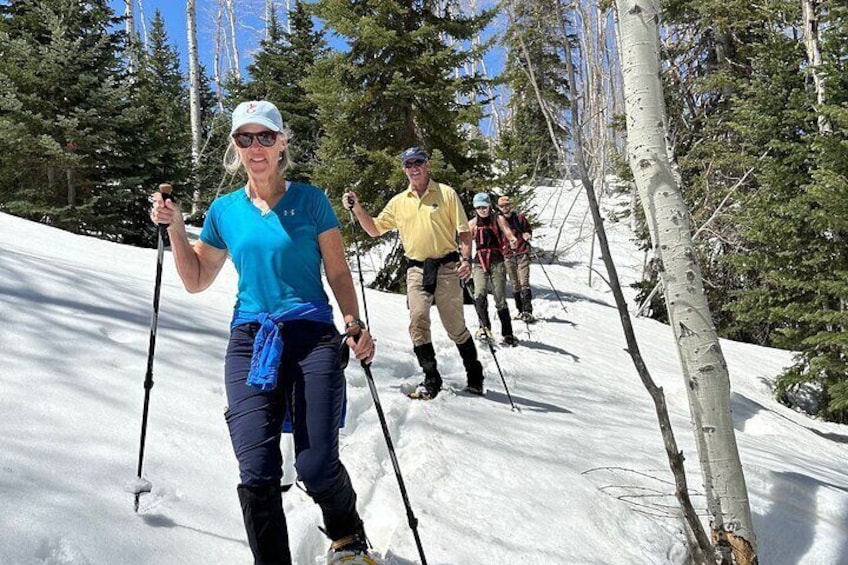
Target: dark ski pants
310	387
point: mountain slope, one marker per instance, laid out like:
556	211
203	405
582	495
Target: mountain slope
577	475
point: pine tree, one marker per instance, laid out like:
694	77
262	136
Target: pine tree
396	87
157	123
525	147
163	96
65	94
750	139
795	228
210	178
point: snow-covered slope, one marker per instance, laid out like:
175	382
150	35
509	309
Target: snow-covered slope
577	475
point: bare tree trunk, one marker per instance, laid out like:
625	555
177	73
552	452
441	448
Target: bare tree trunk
231	19
703	364
132	37
193	96
269	18
549	120
143	20
675	456
216	60
810	12
72	189
288	19
52	174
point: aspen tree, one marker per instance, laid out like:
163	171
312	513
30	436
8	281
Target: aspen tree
704	366
194	95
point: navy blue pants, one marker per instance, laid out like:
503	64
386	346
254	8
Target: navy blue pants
310	386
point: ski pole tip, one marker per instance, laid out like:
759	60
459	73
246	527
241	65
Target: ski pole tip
138	486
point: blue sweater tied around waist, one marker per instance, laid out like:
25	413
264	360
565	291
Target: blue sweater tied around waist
268	344
268	347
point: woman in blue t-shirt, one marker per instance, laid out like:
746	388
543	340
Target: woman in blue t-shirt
282	367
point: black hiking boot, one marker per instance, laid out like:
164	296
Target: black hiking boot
473	368
432	383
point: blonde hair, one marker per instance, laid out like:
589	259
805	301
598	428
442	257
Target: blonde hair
232	163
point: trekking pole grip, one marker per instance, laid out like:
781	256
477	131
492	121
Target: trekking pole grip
165	191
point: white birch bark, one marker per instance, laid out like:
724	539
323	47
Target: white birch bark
269	13
132	37
231	19
703	364
193	94
810	13
288	19
143	21
216	59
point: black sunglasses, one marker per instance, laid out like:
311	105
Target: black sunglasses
245	139
414	163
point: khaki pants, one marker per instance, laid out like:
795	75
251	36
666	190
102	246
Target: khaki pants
448	300
497	275
518	271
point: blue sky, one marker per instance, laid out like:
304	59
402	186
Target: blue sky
249	23
250	30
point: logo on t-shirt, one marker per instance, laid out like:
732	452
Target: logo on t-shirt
289	212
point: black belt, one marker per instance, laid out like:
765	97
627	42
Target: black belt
449	258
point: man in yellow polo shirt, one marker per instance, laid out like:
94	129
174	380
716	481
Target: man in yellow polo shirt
428	216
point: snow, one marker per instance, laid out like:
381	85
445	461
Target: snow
577	476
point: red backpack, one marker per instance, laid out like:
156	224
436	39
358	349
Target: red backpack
491	241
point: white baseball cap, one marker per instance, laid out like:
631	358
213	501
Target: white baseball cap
258	112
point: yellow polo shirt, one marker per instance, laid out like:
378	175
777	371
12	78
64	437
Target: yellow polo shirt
427	225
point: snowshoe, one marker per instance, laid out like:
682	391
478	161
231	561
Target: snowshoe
350	550
528	318
474	389
518	316
484	335
351	559
422	392
509	341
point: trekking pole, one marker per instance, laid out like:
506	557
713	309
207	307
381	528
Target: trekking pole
410	516
539	261
142	485
491	349
358	263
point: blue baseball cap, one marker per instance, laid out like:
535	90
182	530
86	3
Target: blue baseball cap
482	199
414	154
258	112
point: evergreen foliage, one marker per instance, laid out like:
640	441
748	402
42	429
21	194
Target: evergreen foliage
210	178
64	116
774	257
525	149
159	122
399	85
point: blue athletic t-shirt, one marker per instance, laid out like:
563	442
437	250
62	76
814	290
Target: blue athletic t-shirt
276	254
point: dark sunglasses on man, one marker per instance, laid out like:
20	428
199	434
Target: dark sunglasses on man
413	163
245	139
